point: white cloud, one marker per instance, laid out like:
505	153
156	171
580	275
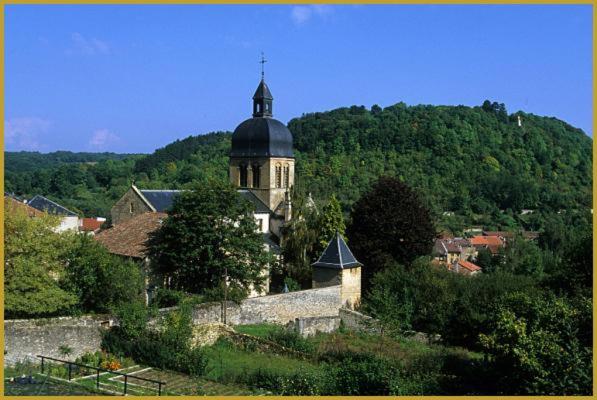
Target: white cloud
89	47
23	133
102	138
302	14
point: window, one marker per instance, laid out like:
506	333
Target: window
132	208
286	176
258	107
256	176
278	176
260	225
243	176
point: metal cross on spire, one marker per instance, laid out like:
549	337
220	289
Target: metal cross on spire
262	62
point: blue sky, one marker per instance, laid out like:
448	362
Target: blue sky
135	78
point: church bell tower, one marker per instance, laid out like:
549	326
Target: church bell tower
262	158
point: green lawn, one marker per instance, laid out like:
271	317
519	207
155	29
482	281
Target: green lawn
260	330
226	363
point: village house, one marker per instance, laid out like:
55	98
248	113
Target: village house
14	205
464	267
129	240
491	243
39	206
90	226
449	250
69	220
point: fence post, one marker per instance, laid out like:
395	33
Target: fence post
97	379
42	365
125	380
70	370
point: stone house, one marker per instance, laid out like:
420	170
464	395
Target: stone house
129	240
465	267
492	243
449	250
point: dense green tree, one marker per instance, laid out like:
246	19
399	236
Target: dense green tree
390	224
33	266
300	239
523	257
100	280
536	348
330	221
209	236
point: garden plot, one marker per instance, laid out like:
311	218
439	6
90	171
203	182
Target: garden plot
177	384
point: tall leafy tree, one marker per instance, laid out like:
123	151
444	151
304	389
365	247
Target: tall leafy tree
390	224
540	345
330	222
100	280
210	236
300	239
33	266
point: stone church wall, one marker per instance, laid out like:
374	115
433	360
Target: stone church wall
25	339
121	211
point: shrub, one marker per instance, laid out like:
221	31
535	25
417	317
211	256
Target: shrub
299	383
290	339
167	298
151	349
359	374
132	319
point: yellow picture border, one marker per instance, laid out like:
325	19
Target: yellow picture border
237	2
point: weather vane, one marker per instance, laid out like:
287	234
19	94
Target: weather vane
262	62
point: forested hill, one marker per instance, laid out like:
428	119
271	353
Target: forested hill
22	161
471	161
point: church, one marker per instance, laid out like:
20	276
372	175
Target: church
261	167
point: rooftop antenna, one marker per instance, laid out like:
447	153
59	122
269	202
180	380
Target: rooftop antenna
262	62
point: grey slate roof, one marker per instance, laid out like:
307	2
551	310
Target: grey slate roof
262	92
260	206
337	255
161	200
43	204
261	137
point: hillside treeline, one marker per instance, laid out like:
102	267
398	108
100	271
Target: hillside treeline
473	165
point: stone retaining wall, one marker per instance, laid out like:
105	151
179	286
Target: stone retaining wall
25	339
277	309
28	338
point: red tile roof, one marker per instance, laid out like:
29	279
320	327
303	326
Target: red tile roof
469	266
486	241
90	224
129	237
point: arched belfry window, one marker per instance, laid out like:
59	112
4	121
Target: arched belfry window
286	176
256	175
278	176
243	176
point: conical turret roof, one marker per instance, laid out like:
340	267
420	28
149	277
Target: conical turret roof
337	255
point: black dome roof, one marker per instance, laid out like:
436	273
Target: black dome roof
261	137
